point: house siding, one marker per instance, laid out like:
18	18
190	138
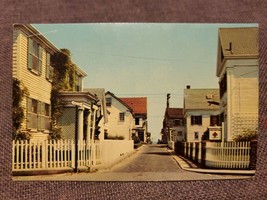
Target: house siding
241	100
39	88
115	126
191	129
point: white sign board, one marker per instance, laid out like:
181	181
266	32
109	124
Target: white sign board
215	133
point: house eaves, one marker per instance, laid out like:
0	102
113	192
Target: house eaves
119	100
34	33
68	96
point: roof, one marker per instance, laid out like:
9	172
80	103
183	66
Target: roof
174	113
138	104
197	99
98	92
237	42
119	100
244	41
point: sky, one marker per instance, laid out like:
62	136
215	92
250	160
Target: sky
142	59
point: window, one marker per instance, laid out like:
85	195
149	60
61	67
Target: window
38	115
180	133
108	101
122	116
49	68
196	136
137	121
214	120
196	120
178	122
78	80
34	57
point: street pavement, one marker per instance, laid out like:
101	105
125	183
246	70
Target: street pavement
147	163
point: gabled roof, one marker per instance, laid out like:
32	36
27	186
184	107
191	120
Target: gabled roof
138	104
119	100
237	43
174	113
197	99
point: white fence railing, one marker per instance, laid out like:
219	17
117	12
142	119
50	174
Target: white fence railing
228	154
52	154
231	155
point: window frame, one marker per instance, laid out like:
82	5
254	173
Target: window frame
214	120
35	52
196	120
122	116
108	101
196	135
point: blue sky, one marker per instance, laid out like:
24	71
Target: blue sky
142	59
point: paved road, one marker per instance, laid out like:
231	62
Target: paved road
148	163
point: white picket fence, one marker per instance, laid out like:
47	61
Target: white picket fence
228	154
52	154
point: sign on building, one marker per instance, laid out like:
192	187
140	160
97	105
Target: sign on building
215	133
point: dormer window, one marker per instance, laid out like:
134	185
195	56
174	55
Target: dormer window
34	57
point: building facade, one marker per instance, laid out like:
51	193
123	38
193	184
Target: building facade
201	111
238	73
120	117
139	106
31	66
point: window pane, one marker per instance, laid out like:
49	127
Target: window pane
121	116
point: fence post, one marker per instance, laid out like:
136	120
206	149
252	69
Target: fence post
191	150
203	154
196	152
253	155
186	149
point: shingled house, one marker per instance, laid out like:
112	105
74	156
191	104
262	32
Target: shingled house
238	72
201	110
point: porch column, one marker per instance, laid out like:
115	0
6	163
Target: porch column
89	128
80	123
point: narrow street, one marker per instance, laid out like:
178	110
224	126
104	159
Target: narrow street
148	163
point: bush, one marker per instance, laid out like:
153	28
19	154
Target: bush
248	135
114	137
136	139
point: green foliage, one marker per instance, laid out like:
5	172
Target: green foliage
114	137
63	80
19	92
247	135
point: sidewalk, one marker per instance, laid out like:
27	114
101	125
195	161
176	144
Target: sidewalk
189	166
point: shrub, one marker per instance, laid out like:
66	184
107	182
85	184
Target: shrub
114	137
136	139
248	135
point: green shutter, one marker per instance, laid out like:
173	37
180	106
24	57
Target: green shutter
40	59
30	48
48	66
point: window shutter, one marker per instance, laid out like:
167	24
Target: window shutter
40	59
29	105
30	48
47	66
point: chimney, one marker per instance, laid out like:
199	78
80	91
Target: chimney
188	87
168	97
